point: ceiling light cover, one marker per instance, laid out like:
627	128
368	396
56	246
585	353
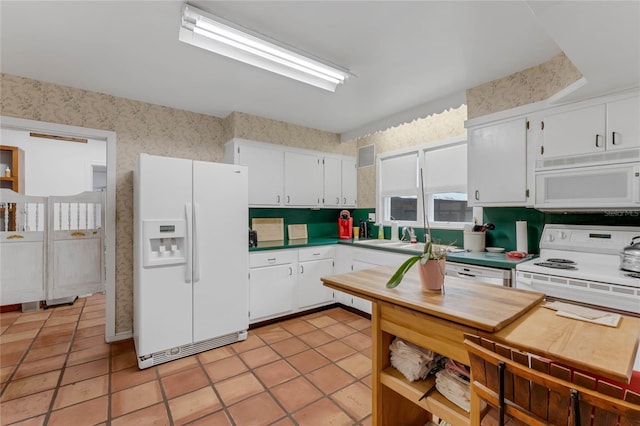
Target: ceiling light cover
223	37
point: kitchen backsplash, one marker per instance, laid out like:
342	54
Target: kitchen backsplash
324	223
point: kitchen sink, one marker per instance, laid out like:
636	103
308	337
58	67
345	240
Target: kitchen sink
403	245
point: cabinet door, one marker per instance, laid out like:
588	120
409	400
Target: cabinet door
332	182
497	154
303	179
349	183
311	291
266	174
623	126
576	132
271	291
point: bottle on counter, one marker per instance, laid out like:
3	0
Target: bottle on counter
7	172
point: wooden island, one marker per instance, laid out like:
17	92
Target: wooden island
438	321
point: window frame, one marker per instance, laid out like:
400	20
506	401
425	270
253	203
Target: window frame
382	200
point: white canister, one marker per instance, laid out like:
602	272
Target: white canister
474	241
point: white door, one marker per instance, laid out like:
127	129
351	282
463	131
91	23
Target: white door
266	174
303	179
349	183
311	291
162	293
332	182
76	245
220	250
271	291
575	132
623	126
497	153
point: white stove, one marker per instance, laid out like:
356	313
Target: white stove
581	264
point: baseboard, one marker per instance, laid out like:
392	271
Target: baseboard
307	312
119	336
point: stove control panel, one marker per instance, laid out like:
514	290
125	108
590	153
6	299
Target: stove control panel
588	238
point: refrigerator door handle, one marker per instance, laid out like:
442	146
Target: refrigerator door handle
196	243
188	211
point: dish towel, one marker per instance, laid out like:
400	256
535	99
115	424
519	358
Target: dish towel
413	361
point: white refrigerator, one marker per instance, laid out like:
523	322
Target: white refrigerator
191	257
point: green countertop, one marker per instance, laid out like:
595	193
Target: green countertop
495	260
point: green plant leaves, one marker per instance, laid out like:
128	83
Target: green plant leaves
396	278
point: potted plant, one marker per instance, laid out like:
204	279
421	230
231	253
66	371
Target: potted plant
432	261
431	264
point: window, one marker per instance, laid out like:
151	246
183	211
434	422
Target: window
398	186
444	170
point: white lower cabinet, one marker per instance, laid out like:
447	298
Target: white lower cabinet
313	264
282	282
272	283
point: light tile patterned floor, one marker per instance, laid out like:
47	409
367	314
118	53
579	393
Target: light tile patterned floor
56	369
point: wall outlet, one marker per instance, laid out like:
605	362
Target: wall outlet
372	217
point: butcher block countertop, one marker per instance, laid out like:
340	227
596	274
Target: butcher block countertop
513	316
482	306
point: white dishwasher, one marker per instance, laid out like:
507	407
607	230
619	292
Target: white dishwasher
485	274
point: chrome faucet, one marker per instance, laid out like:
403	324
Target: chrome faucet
409	232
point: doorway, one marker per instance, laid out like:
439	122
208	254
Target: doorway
105	170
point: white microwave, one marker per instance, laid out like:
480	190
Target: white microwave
595	188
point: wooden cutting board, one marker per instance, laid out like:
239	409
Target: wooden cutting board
268	229
297	232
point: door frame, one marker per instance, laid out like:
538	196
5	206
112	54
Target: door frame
110	211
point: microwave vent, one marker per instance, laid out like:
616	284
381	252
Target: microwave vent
609	157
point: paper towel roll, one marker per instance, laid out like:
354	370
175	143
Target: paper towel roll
521	236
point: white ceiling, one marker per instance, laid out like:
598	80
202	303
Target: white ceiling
410	58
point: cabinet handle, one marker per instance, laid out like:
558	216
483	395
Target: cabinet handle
288	199
477	195
271	259
597	141
302	269
337	200
290	271
278	198
613	138
344	200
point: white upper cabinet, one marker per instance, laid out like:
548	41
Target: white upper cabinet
266	171
332	182
572	134
349	183
497	164
303	179
281	176
340	182
623	124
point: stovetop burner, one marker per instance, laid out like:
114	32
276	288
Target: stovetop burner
556	265
563	261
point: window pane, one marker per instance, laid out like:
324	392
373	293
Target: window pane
451	207
403	208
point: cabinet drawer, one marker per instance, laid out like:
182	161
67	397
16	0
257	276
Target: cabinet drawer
270	258
315	253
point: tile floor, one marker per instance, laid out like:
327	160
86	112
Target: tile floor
56	369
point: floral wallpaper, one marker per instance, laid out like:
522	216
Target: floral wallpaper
436	127
154	129
525	87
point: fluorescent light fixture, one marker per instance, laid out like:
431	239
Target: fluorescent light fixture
223	37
